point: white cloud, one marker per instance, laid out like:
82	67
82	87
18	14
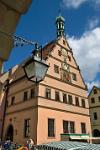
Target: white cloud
73	3
77	3
87	53
93	23
94	83
97	2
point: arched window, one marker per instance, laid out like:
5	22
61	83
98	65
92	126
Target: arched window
96	133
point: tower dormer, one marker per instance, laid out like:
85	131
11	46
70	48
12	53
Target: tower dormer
60	21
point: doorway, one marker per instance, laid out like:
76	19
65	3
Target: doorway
96	133
9	133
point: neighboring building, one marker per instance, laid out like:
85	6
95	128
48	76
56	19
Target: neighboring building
94	104
3	80
56	105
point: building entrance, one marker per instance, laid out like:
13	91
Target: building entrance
96	133
9	133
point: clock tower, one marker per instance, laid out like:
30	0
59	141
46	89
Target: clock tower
60	21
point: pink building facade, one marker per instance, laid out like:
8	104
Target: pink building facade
56	105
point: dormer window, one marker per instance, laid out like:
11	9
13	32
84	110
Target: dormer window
95	91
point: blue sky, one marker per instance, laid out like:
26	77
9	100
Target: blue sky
82	28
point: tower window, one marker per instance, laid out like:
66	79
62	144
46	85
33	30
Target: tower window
48	93
56	69
95	91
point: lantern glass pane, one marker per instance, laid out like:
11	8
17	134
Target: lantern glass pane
41	70
30	70
35	69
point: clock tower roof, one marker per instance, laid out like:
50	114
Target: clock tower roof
60	21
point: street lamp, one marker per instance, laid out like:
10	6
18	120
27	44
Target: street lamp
35	67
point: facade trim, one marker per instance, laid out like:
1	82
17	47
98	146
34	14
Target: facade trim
62	62
65	48
37	106
63	102
24	109
62	90
47	75
22	90
95	125
63	110
20	78
94	107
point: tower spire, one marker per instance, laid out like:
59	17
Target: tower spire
60	21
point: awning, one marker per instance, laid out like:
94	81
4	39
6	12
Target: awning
69	145
75	137
94	138
85	137
79	137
